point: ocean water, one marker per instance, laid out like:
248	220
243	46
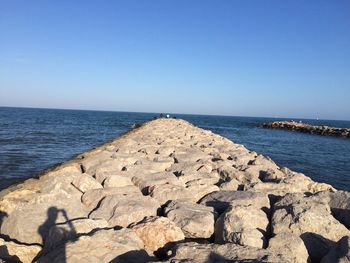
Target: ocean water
32	140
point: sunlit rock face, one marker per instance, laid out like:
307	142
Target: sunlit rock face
170	191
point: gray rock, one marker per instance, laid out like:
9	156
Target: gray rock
145	181
210	253
103	246
122	211
92	197
117	181
311	219
339	203
71	230
222	199
243	225
291	246
196	221
84	182
30	224
166	192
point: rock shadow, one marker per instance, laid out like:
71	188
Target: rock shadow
316	245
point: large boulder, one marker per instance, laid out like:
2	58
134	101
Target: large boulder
222	199
213	253
92	197
116	181
156	232
199	189
195	221
103	246
311	219
244	225
339	203
290	245
71	230
124	210
84	182
30	224
291	183
94	159
145	181
166	192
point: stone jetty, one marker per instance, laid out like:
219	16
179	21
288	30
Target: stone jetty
307	128
168	191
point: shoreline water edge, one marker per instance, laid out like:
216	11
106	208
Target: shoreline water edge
168	191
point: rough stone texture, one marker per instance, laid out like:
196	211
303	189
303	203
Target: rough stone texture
85	182
311	219
116	181
71	230
92	197
339	203
191	175
144	182
104	246
230	185
30	223
243	225
122	211
156	232
12	252
291	246
195	221
222	199
340	252
166	192
213	253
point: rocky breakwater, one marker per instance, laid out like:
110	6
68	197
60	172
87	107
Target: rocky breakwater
307	128
171	192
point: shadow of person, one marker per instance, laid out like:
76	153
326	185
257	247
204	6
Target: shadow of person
52	215
56	231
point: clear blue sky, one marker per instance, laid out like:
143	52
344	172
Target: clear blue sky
249	58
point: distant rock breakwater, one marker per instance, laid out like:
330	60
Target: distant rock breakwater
307	128
171	192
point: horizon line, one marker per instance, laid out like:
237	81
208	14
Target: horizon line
170	113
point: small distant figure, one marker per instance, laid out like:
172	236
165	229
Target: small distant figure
161	115
168	116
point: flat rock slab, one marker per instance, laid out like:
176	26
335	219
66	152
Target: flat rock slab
210	253
222	199
104	246
92	197
196	221
122	211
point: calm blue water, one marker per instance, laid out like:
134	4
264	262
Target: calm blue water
32	140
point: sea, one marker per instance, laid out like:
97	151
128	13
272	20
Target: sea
32	140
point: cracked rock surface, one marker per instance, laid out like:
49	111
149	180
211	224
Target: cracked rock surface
171	192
